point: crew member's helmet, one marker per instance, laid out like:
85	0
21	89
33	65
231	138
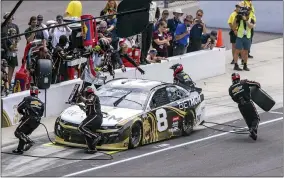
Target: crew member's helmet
34	91
104	44
89	90
63	40
235	77
177	68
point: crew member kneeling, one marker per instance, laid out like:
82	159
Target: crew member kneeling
93	120
240	93
32	109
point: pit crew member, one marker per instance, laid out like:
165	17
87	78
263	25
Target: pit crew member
240	93
93	120
32	109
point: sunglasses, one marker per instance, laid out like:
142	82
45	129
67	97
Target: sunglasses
165	13
200	15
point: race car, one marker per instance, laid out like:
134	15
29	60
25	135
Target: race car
135	112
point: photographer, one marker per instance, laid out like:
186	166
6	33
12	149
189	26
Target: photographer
232	34
243	24
209	40
196	32
249	4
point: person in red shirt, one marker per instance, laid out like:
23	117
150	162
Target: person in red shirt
161	40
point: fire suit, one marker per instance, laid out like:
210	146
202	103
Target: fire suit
32	109
60	66
240	93
184	80
93	120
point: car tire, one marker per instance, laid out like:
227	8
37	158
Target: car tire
188	123
135	136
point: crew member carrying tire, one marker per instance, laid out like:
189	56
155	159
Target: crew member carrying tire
93	120
240	93
32	109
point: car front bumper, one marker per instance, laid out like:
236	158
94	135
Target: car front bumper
111	139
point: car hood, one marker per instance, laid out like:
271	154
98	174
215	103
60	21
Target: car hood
76	115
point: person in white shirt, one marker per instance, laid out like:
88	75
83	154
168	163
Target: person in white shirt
58	31
154	14
42	25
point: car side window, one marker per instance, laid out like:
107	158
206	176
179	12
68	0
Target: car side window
159	98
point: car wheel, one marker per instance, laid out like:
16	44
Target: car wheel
188	123
135	136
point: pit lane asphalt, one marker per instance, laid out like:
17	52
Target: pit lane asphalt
224	155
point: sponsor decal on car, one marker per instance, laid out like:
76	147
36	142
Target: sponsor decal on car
189	102
175	119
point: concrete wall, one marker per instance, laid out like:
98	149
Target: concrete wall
269	14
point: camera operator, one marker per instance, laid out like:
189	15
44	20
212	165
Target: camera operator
232	34
249	4
209	40
243	24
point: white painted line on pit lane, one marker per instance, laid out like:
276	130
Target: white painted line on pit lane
274	112
159	151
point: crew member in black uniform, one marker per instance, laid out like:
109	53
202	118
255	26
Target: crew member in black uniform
32	109
240	93
59	66
183	79
93	120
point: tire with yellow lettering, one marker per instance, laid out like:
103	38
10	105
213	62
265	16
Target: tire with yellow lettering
135	136
188	123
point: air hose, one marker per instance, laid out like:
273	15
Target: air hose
110	157
241	130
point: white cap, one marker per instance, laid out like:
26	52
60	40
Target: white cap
178	10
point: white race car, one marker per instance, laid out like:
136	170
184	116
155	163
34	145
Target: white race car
135	112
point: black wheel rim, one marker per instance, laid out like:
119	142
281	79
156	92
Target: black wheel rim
187	124
135	134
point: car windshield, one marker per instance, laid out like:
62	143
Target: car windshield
133	99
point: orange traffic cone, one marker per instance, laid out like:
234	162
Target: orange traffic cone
219	43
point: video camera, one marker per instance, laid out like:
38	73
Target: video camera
244	11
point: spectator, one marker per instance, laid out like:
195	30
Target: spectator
232	31
148	32
209	40
42	54
10	46
249	4
74	9
153	58
196	32
103	33
161	40
111	4
172	24
58	31
40	24
111	27
182	36
165	15
11	54
36	35
244	23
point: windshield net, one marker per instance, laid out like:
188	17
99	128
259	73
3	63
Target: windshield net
134	100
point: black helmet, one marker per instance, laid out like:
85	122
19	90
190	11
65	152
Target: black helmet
63	40
34	91
104	44
235	77
175	66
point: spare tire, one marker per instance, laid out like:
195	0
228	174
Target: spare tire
43	73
